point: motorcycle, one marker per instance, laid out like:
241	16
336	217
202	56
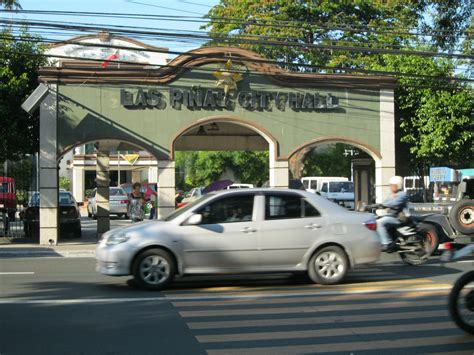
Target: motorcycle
410	239
461	297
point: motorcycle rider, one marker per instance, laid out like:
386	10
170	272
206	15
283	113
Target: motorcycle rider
395	204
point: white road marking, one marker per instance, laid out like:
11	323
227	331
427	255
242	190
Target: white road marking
18	273
222	297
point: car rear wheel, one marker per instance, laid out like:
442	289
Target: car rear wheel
328	266
154	269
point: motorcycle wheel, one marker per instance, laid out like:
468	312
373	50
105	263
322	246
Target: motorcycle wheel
421	254
461	302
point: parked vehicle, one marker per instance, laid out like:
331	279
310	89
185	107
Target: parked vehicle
8	197
415	187
243	231
118	203
239	186
191	196
69	215
314	183
451	215
461	297
340	192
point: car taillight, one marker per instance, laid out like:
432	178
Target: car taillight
448	246
72	212
372	225
124	202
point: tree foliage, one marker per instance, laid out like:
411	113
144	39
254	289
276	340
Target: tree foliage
328	161
202	168
10	4
436	115
19	63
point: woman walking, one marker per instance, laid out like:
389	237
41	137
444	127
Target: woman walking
136	205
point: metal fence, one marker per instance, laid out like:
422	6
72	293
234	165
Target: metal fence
18	181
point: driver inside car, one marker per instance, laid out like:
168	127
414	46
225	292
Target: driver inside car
395	204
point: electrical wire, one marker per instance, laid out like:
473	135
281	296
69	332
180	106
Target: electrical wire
231	40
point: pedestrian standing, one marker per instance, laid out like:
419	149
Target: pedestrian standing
136	207
153	201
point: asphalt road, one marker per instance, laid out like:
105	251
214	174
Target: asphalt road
61	306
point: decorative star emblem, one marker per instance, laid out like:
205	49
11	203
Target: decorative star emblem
226	78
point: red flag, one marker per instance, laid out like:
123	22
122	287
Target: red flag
109	58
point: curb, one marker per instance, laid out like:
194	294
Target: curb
47	253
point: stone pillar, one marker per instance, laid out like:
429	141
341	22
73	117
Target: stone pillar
385	167
48	170
78	183
153	173
166	188
102	195
279	173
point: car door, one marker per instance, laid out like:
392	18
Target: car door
289	227
226	238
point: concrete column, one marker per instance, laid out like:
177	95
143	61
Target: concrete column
48	170
385	167
362	172
166	187
153	173
78	183
279	173
102	195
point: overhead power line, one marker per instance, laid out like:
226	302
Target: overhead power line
261	22
239	40
262	61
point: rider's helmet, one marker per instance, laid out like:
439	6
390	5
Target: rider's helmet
397	180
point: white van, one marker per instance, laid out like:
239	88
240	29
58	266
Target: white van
340	192
314	183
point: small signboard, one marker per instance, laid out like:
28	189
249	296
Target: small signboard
443	174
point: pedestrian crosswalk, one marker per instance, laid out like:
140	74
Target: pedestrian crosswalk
400	315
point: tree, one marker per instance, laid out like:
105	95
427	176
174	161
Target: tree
435	115
202	168
19	63
10	4
328	161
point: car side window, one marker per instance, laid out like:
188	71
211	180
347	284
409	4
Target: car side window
228	210
314	184
288	206
283	206
310	210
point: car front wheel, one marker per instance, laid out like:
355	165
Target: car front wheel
154	269
328	266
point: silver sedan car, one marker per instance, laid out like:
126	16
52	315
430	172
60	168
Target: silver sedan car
243	231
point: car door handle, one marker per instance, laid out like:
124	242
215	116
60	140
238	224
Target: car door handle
312	226
248	230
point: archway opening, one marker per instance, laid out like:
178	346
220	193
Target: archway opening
342	172
221	149
108	163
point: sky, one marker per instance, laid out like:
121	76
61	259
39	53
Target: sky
196	8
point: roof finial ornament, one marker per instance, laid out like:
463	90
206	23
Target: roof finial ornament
226	77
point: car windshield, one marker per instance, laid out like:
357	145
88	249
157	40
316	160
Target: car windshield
116	191
183	209
65	199
342	186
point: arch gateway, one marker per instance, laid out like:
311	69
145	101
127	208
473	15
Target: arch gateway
256	105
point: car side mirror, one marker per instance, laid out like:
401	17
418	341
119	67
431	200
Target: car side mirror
194	220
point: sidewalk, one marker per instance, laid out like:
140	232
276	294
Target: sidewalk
21	247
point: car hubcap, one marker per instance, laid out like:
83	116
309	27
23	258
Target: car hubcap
154	269
466	215
329	265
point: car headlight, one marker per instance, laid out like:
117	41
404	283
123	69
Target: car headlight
115	239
